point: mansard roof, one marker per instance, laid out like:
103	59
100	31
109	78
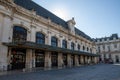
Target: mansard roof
110	37
30	5
80	33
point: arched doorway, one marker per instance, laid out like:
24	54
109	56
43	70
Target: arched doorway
18	55
54	59
39	58
18	58
65	59
117	58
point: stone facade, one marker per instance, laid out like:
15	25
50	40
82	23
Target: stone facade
18	40
109	48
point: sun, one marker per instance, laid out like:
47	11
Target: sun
61	12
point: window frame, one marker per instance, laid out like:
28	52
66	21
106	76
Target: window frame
54	41
40	38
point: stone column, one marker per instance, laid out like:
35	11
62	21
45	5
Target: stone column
76	60
60	42
60	60
3	57
76	46
81	59
28	59
47	59
48	42
69	45
96	60
33	34
89	59
69	60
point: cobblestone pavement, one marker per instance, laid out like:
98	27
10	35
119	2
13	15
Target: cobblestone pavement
92	72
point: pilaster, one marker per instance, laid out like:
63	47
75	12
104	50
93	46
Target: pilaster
81	59
28	59
47	59
76	60
60	60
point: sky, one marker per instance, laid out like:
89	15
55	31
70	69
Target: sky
96	18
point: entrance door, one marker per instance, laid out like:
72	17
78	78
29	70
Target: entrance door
54	59
79	59
117	59
40	58
65	59
84	62
18	58
72	60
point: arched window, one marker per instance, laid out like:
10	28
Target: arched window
64	44
78	47
83	48
72	45
40	38
54	41
87	49
19	34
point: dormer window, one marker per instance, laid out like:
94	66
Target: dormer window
115	45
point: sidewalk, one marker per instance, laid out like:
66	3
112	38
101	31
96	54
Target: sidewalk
10	72
33	70
26	70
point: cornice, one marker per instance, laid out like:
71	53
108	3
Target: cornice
110	52
107	43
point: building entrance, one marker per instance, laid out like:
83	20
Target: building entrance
40	58
18	58
65	59
72	60
54	59
79	60
117	59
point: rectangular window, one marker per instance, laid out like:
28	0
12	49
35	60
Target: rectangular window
115	45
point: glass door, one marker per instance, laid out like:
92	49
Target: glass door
40	58
54	59
18	58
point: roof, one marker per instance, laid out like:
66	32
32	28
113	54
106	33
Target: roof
32	45
105	38
30	5
80	33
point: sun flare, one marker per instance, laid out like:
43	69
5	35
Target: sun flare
62	13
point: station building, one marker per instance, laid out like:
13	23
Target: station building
33	37
108	48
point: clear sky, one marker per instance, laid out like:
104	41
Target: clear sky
96	18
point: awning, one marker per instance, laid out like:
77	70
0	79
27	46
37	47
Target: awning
33	45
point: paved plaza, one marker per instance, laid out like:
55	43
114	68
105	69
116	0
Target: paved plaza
92	72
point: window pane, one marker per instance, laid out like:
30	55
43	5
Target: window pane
19	33
64	44
72	46
40	38
54	41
